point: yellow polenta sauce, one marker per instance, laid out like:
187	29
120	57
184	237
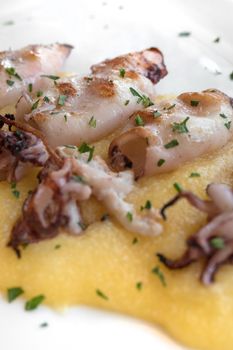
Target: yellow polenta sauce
110	259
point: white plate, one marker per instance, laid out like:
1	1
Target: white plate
101	29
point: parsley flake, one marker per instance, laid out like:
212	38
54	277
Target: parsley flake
14	190
126	102
129	216
194	175
46	99
147	205
139	285
44	325
139	121
92	122
101	294
33	303
39	93
194	103
170	107
122	72
231	76
10	82
181	128
85	148
35	105
217	243
171	144
52	77
160	162
135	240
12	73
184	34
145	100
177	187
228	125
13	293
8	23
216	40
222	115
65	117
156	270
30	86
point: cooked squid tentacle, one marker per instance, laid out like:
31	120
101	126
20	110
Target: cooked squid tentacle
20	68
19	150
164	136
214	241
86	109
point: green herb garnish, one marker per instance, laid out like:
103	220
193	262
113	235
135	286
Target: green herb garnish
39	93
135	240
101	294
177	187
92	122
46	99
217	243
194	103
85	148
145	100
231	76
65	117
10	82
216	40
160	162
14	190
52	77
13	293
44	325
122	72
35	105
129	216
8	23
33	303
228	125
12	73
194	175
30	86
147	205
222	115
184	34
171	144
171	107
126	102
139	285
181	128
156	270
139	121
57	246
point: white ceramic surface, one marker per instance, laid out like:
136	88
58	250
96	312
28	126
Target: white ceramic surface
100	29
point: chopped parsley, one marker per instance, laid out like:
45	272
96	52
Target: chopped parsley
194	103
122	72
44	325
145	100
177	187
139	121
194	175
216	40
30	86
79	179
170	107
171	144
231	76
65	117
8	23
135	240
85	148
217	243
139	285
92	122
184	34
82	225
52	77
14	293
157	114
160	162
222	115
62	100
227	125
156	270
10	82
39	93
71	146
104	217
33	303
126	102
147	205
181	128
129	216
12	73
46	99
57	246
35	105
14	190
101	294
